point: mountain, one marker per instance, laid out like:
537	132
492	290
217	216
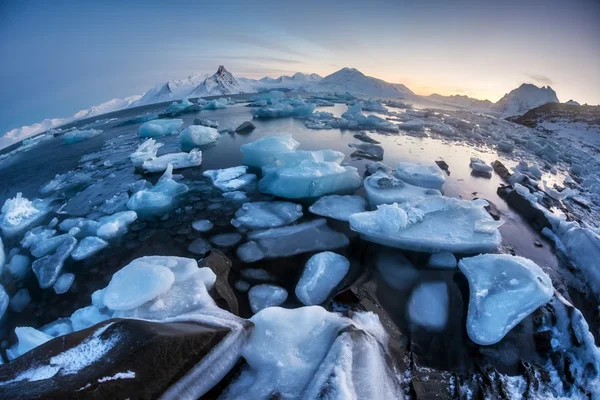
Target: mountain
171	90
461	101
572	103
559	113
24	132
221	83
353	81
524	98
297	80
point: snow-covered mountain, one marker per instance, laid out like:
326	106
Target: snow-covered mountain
353	81
296	81
24	132
461	101
171	90
524	98
221	83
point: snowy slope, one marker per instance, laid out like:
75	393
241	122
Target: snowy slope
171	90
221	83
524	98
24	132
353	81
461	101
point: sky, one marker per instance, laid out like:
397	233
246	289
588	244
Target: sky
60	57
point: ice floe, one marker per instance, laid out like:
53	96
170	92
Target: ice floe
295	107
230	179
48	268
322	273
427	176
76	135
338	207
262	151
198	136
87	247
157	199
63	283
265	295
178	160
20	213
145	152
159	127
266	214
383	188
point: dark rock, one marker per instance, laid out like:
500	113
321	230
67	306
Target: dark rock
221	265
543	341
501	170
245	127
443	165
366	150
159	354
537	243
532	214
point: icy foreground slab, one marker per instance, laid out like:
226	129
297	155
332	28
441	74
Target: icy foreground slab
428	306
338	207
290	240
159	127
262	151
503	290
197	136
265	295
431	224
115	225
322	273
20	213
158	199
230	179
266	214
383	188
178	160
427	176
145	152
305	352
88	247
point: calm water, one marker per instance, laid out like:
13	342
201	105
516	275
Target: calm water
450	349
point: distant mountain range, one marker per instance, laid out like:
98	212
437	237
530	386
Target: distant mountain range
223	83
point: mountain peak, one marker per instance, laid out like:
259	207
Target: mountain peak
524	98
221	70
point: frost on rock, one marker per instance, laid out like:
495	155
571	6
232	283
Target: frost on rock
428	306
387	189
295	107
265	295
431	224
444	259
115	225
295	239
197	136
230	179
63	284
338	207
266	214
262	151
87	247
307	352
19	213
308	174
158	199
145	152
76	135
47	269
503	289
159	127
322	273
178	160
427	176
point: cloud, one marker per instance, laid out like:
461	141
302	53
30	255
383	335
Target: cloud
259	59
541	79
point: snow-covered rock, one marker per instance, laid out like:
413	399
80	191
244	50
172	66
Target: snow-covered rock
265	295
338	207
266	214
431	224
353	81
504	289
261	152
221	83
524	98
322	273
159	127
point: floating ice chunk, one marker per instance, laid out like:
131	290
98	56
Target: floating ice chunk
44	244
503	290
266	214
20	300
4	300
18	266
66	182
427	176
206	122
159	127
20	213
338	207
79	136
114	225
322	273
250	252
28	338
265	295
413	125
226	239
376	166
295	158
88	316
236	195
2	256
256	274
197	136
396	270
136	283
184	106
295	239
582	246
199	246
444	259
59	327
63	284
386	189
158	199
428	306
48	268
262	151
480	166
215	104
230	179
202	225
309	179
241	286
430	224
178	160
145	152
353	118
285	108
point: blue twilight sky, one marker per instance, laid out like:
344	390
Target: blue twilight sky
62	56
